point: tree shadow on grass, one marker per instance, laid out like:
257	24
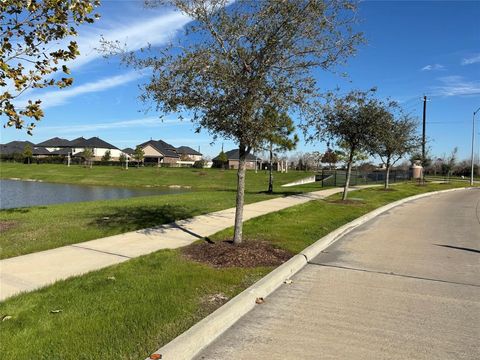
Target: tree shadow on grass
15	211
140	217
282	193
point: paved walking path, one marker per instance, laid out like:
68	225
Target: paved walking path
32	271
405	285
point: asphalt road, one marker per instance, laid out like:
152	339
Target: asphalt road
405	285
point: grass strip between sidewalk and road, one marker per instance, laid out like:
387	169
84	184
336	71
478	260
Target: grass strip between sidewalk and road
128	310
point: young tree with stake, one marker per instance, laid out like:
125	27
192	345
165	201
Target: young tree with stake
351	120
138	155
395	138
238	58
282	138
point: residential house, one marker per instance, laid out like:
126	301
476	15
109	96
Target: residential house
159	152
76	147
55	144
188	154
98	146
233	160
16	148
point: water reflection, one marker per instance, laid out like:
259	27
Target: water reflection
15	193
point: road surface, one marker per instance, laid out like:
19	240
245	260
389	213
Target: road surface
405	285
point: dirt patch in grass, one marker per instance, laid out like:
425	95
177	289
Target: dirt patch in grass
225	254
6	225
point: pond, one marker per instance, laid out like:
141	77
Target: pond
15	193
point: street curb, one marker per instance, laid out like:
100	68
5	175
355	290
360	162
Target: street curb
191	342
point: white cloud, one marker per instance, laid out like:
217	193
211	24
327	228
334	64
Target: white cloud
472	60
61	96
134	34
433	67
457	86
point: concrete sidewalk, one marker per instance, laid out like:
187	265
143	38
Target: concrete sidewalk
405	285
32	271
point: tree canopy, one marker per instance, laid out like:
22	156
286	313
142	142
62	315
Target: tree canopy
395	138
352	121
238	58
30	55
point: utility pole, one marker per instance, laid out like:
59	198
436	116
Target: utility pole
423	135
423	129
473	145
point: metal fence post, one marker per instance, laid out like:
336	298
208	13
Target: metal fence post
335	178
322	178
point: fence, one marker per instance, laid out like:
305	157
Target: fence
339	177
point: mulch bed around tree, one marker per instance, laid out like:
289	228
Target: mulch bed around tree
6	225
247	254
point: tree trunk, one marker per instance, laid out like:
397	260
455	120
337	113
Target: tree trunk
270	176
237	235
349	172
387	176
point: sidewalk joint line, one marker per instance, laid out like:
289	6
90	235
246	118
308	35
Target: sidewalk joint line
101	251
392	274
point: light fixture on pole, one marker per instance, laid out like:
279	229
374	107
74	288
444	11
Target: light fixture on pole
473	145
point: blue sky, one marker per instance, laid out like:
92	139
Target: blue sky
414	48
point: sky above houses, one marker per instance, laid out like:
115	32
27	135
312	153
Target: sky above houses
415	48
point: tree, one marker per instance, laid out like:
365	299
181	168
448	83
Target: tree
395	138
330	157
351	120
88	155
343	155
30	32
316	157
239	57
138	155
221	160
27	153
281	139
449	163
107	156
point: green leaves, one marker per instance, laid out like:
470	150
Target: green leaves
26	28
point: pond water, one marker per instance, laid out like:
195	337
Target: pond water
15	193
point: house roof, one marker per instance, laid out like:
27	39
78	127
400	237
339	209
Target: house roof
94	142
63	151
15	147
40	150
234	155
128	151
162	147
185	150
55	142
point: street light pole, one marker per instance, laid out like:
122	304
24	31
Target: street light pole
473	145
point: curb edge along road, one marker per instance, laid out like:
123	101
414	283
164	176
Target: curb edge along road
191	342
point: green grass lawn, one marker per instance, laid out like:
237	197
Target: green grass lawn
197	179
128	310
44	227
